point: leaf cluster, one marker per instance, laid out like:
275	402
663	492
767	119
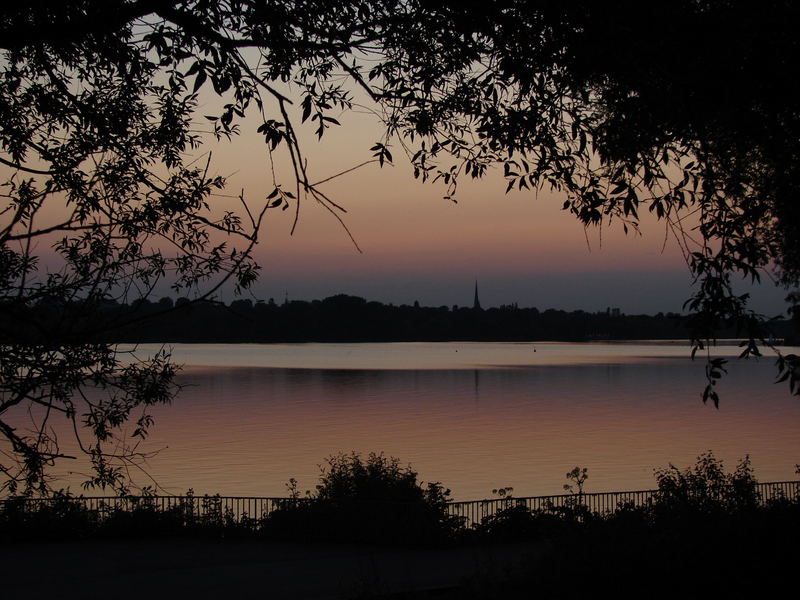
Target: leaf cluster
372	499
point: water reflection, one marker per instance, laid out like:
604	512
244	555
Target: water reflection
247	430
420	355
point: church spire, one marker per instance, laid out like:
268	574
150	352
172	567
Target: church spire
476	304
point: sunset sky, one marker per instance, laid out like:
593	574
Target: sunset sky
418	246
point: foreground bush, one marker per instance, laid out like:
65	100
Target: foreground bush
58	518
706	534
65	517
702	512
366	500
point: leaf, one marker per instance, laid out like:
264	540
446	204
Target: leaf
199	81
196	66
221	85
710	393
619	187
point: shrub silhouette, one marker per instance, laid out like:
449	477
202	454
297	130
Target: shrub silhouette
55	518
366	500
705	535
707	488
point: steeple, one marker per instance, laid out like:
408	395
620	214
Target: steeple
476	304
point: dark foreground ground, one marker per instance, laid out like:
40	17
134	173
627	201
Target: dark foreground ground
200	569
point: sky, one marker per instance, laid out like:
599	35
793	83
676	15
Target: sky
520	247
414	245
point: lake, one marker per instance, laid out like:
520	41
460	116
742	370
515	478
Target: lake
473	416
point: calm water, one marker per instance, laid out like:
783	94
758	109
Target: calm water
473	416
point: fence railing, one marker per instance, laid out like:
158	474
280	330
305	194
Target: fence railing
474	511
191	507
241	508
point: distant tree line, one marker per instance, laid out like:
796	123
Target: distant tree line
345	318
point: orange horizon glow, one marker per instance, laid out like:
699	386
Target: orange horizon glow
410	236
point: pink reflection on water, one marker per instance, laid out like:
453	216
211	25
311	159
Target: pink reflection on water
248	430
620	410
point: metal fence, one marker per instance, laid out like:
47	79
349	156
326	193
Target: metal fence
602	503
241	509
195	508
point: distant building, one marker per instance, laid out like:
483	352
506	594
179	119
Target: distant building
476	304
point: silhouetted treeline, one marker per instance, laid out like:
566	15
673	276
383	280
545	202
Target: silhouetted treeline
344	318
339	318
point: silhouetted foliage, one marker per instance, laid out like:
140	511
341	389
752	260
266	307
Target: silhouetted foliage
351	319
709	527
514	521
95	165
707	486
366	500
619	107
708	535
64	517
60	518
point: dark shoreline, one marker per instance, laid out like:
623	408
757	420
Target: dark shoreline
350	319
